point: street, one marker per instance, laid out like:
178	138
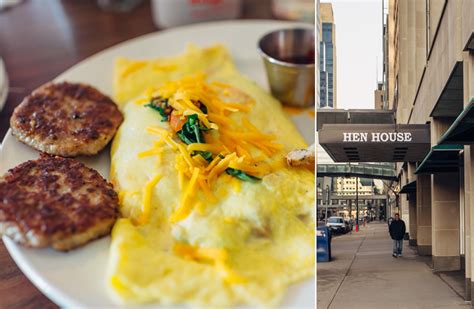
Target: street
363	274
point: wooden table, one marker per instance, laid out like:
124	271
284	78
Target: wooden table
40	39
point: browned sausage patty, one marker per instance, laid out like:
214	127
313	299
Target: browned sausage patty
66	119
57	202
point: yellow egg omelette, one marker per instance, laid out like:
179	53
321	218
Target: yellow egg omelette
211	213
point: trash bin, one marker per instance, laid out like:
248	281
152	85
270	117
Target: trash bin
323	241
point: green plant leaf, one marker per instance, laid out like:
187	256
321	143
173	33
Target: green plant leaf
241	175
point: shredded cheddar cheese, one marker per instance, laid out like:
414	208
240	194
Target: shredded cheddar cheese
147	194
205	147
240	147
185	208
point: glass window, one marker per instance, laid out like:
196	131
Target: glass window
335	220
329	48
327	32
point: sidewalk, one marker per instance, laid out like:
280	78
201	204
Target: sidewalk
363	274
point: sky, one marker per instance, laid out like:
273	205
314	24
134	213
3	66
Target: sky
358	51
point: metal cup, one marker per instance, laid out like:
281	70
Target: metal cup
288	55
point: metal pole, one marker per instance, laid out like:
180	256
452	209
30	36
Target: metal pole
350	209
327	203
326	216
316	202
357	204
397	199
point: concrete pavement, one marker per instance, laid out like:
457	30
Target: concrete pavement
363	274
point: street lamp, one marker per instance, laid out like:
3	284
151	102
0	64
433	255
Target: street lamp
397	198
327	202
357	204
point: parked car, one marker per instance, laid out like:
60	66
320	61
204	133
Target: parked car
337	225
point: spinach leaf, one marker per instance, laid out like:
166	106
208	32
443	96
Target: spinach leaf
161	106
205	154
184	137
191	133
241	175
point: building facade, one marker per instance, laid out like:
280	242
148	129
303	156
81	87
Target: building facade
429	69
337	186
327	57
325	17
347	186
378	97
317	34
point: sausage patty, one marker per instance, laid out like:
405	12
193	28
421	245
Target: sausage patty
57	202
66	119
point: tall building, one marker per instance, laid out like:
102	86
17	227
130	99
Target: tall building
430	80
328	99
378	97
326	40
347	186
327	57
317	32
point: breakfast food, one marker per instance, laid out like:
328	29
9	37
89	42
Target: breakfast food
302	158
212	214
66	119
57	202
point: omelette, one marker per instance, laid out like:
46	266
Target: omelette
211	213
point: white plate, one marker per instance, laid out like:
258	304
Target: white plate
77	278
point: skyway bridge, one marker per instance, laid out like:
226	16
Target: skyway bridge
353	197
362	170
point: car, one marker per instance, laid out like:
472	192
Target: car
337	225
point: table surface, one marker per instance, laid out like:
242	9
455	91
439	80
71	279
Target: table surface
57	35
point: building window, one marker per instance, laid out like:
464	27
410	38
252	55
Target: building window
326	62
327	32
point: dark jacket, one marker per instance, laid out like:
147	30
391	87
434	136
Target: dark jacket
397	229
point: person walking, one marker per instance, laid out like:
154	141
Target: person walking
397	232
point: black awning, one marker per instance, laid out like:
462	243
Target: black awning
470	43
451	99
441	159
375	142
353	116
409	188
461	132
